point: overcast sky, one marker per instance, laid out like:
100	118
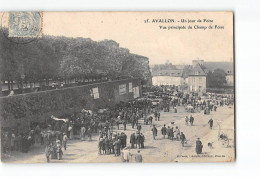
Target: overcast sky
147	39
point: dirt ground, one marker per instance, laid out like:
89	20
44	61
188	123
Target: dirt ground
159	150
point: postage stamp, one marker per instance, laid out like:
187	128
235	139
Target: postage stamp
25	24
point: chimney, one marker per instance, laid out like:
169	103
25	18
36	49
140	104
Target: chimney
195	62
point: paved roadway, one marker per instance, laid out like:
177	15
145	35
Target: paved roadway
160	150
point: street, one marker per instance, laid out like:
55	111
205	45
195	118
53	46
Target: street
159	150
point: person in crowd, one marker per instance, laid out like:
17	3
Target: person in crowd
183	139
210	122
199	146
171	133
64	141
139	127
133	121
187	120
48	151
126	155
132	140
82	132
142	140
37	134
89	132
150	119
118	122
177	131
191	120
70	130
154	130
12	140
100	135
164	131
124	124
59	149
155	115
123	139
117	147
106	143
100	145
138	140
138	157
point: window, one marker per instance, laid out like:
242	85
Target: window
122	89
95	93
130	87
200	79
136	92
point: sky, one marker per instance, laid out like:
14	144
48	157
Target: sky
159	45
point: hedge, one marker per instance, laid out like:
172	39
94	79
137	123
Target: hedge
40	106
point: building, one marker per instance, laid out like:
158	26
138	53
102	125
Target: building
168	77
197	79
190	78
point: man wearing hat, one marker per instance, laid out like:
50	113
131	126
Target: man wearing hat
132	140
123	139
142	140
164	131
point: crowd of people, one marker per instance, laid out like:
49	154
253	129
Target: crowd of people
54	134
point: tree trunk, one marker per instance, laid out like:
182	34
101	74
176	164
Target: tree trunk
40	84
12	84
31	86
1	88
9	87
22	86
47	83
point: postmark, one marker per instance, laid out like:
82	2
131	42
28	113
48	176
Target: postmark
25	24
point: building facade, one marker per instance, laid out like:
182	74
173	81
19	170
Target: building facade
197	79
172	77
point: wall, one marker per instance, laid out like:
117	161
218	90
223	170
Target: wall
22	109
197	83
166	80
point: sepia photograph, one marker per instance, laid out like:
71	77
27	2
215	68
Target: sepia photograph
117	87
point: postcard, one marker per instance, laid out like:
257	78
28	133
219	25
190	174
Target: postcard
117	87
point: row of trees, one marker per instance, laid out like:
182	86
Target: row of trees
216	79
63	58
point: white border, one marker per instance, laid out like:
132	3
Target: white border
247	57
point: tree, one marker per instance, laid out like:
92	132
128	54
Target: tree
216	79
